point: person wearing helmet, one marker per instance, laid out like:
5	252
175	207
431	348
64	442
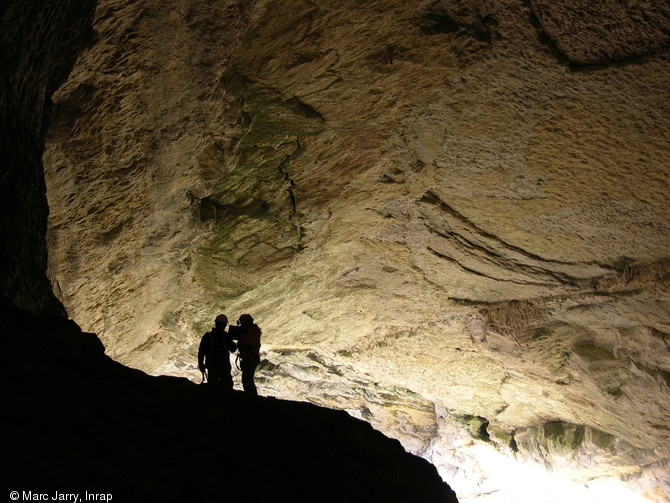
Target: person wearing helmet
214	354
248	335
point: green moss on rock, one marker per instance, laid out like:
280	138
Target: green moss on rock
253	207
476	427
601	439
563	435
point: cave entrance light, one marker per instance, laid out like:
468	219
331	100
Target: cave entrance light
520	481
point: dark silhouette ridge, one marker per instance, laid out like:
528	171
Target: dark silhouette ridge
78	421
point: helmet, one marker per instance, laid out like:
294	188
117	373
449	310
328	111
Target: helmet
221	319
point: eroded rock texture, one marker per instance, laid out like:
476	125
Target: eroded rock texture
438	223
602	32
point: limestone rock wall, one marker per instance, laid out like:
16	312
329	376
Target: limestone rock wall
450	218
137	138
38	46
588	33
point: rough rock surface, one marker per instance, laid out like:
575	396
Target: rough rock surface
438	223
602	32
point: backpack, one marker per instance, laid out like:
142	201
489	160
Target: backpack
249	342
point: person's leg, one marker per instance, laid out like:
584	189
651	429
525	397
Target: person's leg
248	369
214	375
227	380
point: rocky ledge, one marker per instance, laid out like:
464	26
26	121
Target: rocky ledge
80	423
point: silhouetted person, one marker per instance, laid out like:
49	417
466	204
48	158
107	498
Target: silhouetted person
214	354
248	337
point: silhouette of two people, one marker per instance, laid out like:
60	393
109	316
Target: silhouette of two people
216	346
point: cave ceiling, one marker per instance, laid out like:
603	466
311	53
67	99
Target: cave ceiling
448	217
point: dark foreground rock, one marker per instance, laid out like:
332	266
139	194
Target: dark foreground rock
79	422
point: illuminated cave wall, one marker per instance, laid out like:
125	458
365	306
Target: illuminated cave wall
449	218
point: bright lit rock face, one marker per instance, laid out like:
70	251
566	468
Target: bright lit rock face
450	218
